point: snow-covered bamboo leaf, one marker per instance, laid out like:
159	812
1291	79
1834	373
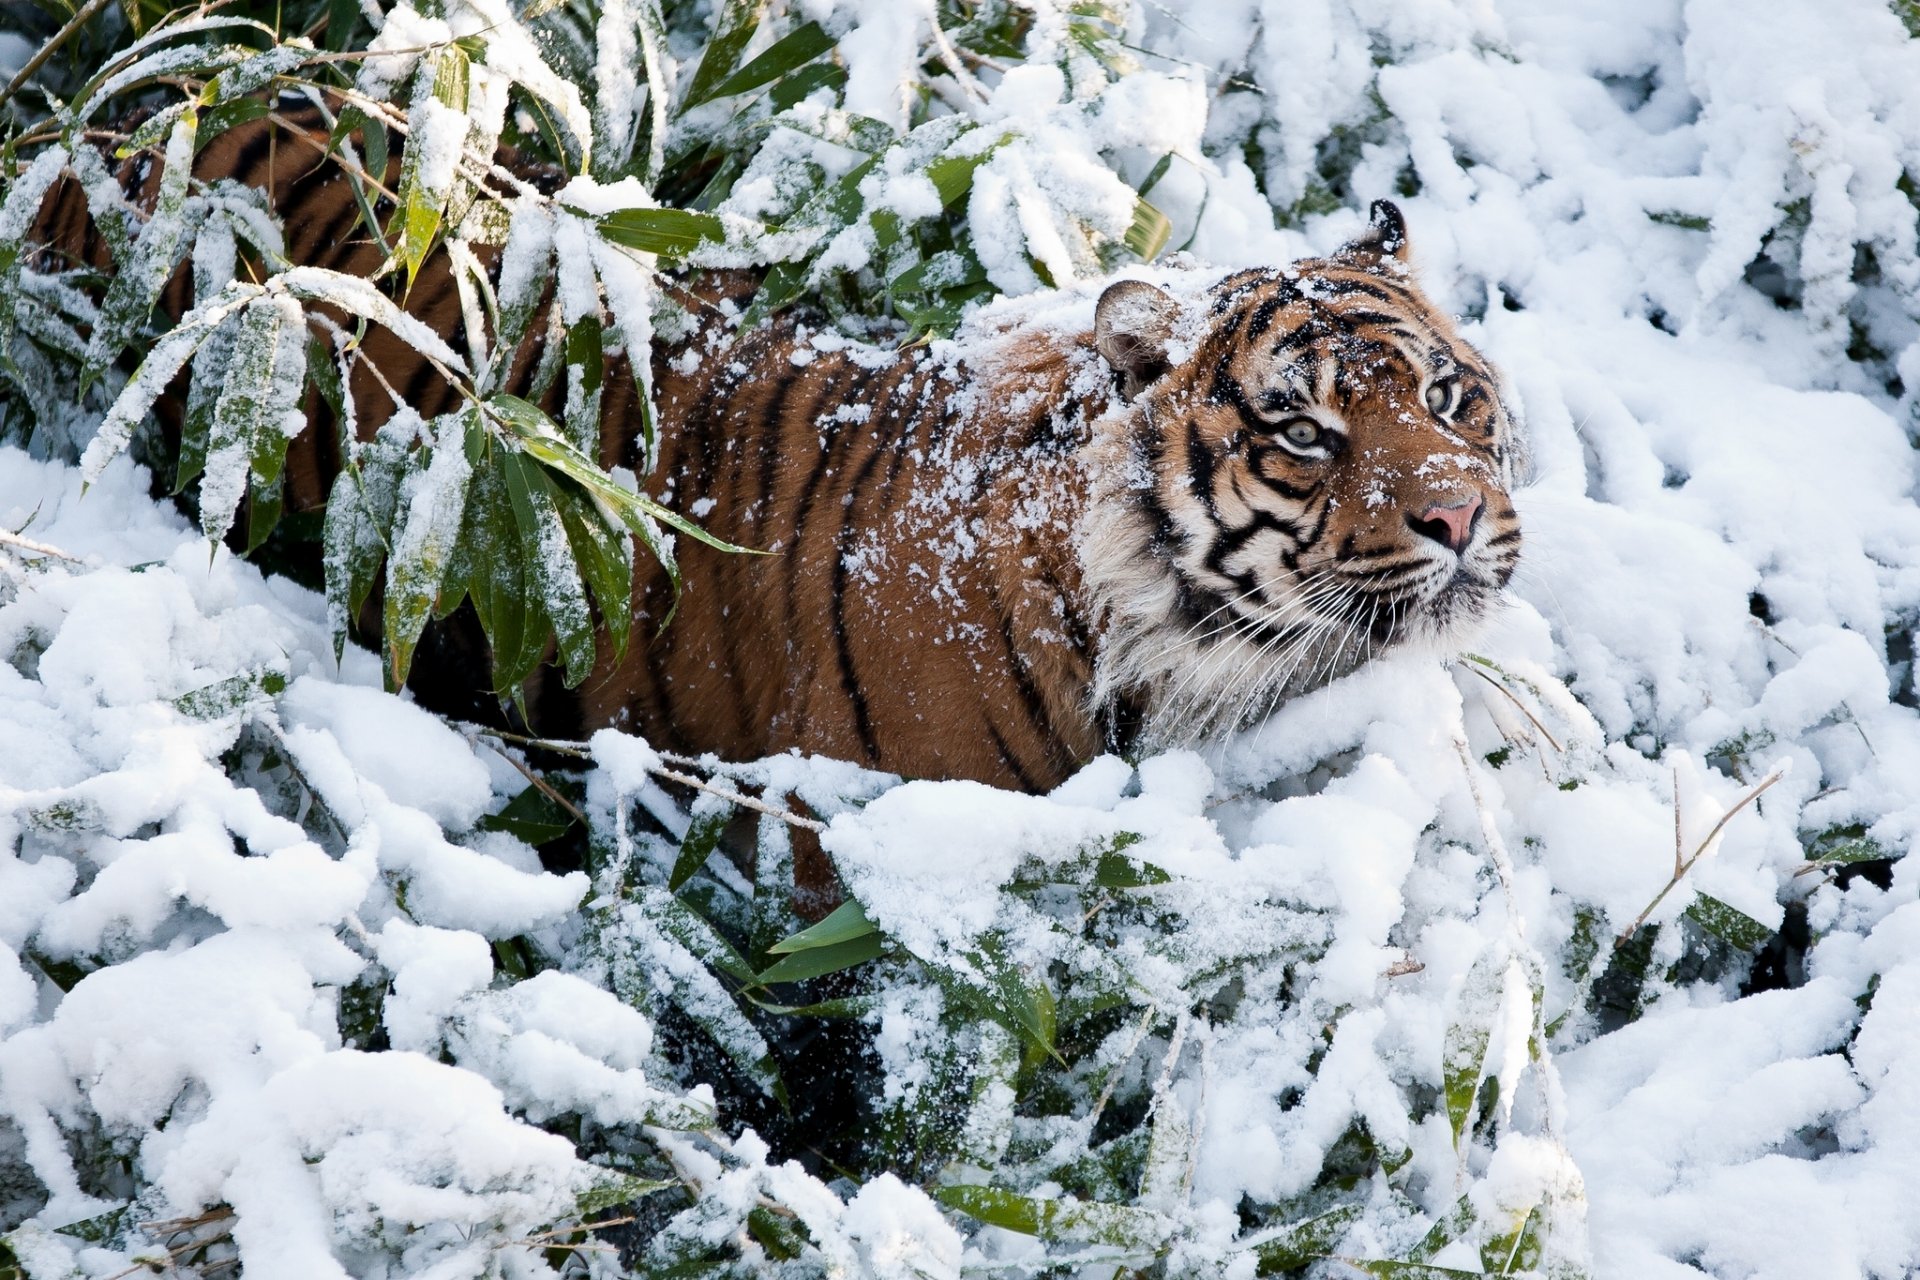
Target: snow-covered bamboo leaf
538	435
1729	924
847	922
551	556
1300	1243
1062	1219
1455	1224
733	29
155	372
656	948
259	396
604	555
17	210
426	529
437	134
155	253
1464	1051
710	816
361	298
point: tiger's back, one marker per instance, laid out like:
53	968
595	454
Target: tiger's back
916	607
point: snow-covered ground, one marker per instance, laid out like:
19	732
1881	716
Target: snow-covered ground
1682	229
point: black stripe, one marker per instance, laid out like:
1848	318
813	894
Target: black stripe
843	647
1020	775
252	154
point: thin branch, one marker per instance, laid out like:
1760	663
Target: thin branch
32	548
47	50
1700	850
546	788
1514	698
744	801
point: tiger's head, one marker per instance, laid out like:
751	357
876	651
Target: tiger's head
1312	468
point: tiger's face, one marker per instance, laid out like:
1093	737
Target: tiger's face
1323	478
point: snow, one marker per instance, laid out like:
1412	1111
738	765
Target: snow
1398	895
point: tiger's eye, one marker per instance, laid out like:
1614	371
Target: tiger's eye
1440	396
1303	432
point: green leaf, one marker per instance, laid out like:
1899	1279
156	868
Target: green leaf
537	434
1014	1002
423	542
672	233
702	838
605	559
1464	1050
611	1188
1388	1270
1452	1225
532	815
421	208
848	921
550	557
151	258
1294	1246
1061	1219
1149	232
819	961
1729	924
952	176
797	48
732	31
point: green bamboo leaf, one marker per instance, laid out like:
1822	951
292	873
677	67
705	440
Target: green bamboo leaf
1464	1050
605	558
151	257
1019	1005
1452	1225
1148	233
848	921
556	572
421	203
269	348
513	665
1385	1269
671	233
537	434
823	960
732	32
1061	1219
423	542
532	815
795	49
1729	924
1296	1245
702	838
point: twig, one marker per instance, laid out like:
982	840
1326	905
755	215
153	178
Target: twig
1515	700
31	547
579	751
1682	867
546	788
744	801
47	50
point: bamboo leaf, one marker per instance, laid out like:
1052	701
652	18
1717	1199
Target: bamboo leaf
1294	1246
822	960
732	31
848	921
1060	1219
1148	233
672	233
1464	1050
795	49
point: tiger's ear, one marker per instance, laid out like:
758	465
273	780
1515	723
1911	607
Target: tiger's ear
1131	328
1385	236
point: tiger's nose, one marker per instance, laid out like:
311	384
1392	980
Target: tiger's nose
1451	526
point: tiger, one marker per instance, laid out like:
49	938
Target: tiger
997	557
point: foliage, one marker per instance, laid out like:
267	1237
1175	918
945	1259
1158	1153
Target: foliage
493	502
